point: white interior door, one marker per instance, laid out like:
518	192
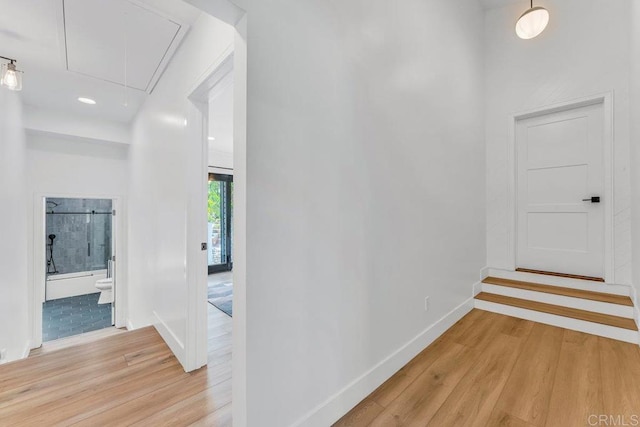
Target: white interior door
560	167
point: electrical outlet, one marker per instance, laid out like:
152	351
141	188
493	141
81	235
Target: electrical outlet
426	303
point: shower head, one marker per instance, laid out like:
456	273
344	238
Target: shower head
52	237
55	205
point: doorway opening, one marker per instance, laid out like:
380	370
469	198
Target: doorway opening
213	215
79	281
220	237
220	209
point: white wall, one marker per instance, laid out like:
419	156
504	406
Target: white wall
74	126
14	321
635	144
221	161
159	190
221	126
583	52
365	193
59	165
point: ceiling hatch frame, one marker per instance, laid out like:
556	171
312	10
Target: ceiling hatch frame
183	29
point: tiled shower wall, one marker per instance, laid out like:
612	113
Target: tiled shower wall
83	234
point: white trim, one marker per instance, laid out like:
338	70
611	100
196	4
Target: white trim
606	331
219	170
37	286
340	403
220	72
477	288
484	273
606	99
27	350
216	73
239	368
636	308
174	343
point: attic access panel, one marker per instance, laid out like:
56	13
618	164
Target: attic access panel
118	41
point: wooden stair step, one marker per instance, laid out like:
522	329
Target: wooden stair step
559	290
574	313
569	276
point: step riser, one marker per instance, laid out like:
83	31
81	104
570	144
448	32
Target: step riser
561	281
612	332
579	303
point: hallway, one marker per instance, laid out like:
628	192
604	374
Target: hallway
126	379
494	370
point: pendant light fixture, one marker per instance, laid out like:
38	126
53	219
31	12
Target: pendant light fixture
532	22
10	77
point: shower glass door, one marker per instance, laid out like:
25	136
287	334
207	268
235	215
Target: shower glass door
220	219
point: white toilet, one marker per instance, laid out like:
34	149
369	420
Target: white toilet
106	290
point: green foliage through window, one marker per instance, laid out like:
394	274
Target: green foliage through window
215	196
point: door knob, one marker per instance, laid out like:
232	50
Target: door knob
594	199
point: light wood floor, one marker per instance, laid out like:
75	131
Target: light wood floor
124	379
494	370
74	340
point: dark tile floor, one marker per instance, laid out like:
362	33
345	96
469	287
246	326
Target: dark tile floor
73	316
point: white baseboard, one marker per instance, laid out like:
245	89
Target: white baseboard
636	308
174	343
23	355
27	350
344	400
477	288
484	273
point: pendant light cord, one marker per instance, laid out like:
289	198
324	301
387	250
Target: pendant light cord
126	60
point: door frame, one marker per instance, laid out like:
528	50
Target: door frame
197	264
37	288
606	99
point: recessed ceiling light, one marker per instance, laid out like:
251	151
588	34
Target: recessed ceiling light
87	101
211	138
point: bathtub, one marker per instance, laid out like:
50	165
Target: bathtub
73	284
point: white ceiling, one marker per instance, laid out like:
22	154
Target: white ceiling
33	32
119	42
490	4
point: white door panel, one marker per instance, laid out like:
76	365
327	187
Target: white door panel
566	139
560	163
558	231
565	181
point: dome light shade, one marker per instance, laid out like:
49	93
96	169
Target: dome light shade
532	22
